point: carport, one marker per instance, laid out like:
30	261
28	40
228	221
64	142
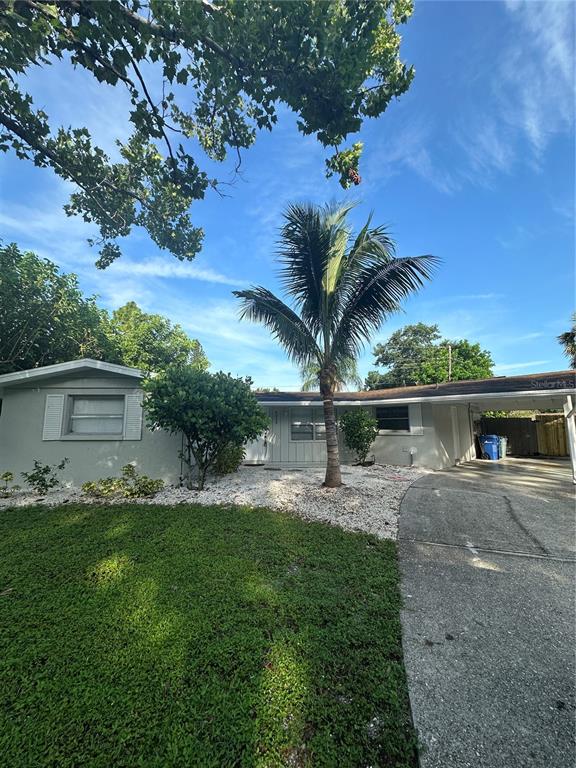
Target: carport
545	391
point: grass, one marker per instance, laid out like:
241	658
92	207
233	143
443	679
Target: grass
197	636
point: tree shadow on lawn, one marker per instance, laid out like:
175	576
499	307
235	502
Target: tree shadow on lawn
209	636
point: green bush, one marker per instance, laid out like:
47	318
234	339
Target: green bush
360	430
130	486
229	459
211	410
44	476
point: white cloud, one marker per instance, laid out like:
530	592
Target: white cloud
511	367
511	99
531	92
408	148
167	267
539	69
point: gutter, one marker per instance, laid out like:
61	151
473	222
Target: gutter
434	399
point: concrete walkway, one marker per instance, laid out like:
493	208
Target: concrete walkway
487	554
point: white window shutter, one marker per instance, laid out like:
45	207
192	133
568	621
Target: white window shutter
133	429
53	413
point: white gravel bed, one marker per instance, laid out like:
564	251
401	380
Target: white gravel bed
368	501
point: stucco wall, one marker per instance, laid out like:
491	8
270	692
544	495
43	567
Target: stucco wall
22	419
430	442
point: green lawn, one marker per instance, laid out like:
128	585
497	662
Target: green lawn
197	636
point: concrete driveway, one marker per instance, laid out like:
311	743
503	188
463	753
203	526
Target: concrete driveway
487	555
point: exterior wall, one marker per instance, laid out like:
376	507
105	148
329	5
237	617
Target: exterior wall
283	451
455	442
21	424
439	436
419	447
430	443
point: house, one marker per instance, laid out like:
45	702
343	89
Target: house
91	412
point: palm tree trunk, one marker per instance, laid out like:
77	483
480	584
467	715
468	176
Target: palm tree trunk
333	476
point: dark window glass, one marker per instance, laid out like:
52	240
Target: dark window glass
393	417
302	431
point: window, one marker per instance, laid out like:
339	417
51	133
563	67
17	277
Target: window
307	424
96	415
394	417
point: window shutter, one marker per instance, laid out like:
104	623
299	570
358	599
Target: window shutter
53	417
133	429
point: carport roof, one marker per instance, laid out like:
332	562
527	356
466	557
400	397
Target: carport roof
533	385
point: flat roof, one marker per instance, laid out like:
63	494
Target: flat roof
554	382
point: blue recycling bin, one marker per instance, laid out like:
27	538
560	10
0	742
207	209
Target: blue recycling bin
490	445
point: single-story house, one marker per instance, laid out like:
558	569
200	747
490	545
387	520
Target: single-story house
91	412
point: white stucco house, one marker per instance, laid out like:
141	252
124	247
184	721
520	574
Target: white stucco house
91	412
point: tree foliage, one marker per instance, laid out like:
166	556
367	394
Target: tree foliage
342	287
416	354
44	318
360	429
212	411
150	342
201	77
568	342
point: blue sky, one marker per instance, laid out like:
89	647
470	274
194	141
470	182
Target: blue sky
475	164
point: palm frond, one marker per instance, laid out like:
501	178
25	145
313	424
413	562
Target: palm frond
381	284
568	341
344	372
262	306
312	254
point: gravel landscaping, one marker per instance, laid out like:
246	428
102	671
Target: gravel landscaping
368	501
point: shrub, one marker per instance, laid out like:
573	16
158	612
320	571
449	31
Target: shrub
44	476
360	430
6	478
211	410
130	486
229	459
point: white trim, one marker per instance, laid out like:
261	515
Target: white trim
87	364
434	399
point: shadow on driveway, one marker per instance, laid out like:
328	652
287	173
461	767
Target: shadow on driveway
487	554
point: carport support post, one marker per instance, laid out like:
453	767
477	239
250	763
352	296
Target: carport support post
569	413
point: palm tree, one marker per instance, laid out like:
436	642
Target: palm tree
342	289
568	341
347	375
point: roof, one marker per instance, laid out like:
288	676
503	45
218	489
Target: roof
74	366
556	382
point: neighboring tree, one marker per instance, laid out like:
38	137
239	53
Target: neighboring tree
568	341
378	380
44	318
346	375
342	288
403	354
201	76
213	411
360	430
457	360
416	354
151	342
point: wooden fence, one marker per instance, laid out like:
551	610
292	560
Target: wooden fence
541	435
